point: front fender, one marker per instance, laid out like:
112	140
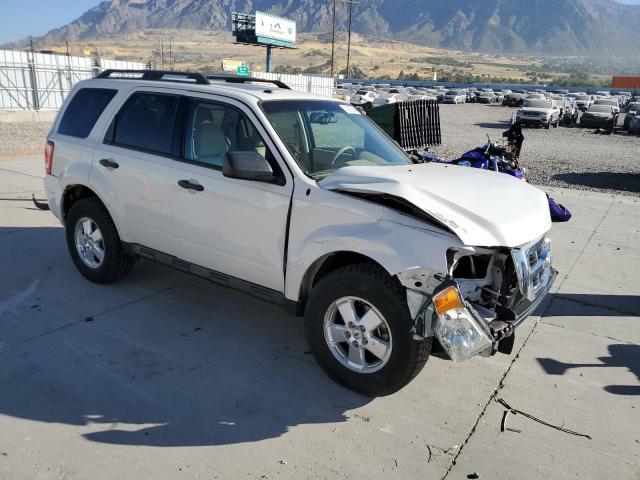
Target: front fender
370	231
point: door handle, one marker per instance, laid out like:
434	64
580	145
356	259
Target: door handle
108	163
189	185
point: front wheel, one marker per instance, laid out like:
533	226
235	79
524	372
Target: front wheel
359	329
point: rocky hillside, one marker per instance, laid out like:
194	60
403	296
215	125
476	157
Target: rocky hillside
558	27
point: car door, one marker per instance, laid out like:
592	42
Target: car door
130	167
236	227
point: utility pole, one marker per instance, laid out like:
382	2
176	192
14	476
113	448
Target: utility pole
333	38
161	52
170	56
349	39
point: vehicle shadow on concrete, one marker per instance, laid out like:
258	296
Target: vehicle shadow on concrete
620	355
616	305
625	182
160	359
498	125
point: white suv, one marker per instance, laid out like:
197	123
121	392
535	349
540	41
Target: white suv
302	201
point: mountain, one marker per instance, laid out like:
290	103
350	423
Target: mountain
555	27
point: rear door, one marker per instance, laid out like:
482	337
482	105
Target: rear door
131	166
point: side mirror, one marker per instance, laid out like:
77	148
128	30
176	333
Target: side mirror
248	166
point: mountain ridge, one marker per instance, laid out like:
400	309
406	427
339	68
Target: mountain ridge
553	27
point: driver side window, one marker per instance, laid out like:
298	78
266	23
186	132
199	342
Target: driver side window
215	129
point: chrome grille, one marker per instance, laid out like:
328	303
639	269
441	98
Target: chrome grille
533	266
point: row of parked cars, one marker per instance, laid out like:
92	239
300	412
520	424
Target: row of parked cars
537	107
601	110
368	96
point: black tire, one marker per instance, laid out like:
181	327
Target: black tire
116	264
366	281
548	125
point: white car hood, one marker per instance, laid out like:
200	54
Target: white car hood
546	111
483	208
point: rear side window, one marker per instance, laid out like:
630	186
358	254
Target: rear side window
83	111
147	122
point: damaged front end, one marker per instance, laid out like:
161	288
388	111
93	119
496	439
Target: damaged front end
486	293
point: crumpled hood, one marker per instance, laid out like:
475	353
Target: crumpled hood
483	208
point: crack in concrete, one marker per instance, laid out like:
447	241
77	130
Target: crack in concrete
104	312
524	343
588	333
21	173
495	391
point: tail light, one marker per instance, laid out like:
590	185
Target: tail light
48	157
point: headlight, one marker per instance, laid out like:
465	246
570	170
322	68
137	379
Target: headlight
457	330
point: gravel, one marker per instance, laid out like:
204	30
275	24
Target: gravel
17	138
564	157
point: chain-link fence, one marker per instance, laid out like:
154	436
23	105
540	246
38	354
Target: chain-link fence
40	81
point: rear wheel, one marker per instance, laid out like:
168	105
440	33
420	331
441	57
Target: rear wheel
360	331
94	244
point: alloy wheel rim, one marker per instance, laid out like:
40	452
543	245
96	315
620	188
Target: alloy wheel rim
89	242
357	334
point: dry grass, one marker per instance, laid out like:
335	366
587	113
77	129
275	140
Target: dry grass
204	50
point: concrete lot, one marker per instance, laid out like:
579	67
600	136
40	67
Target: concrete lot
166	376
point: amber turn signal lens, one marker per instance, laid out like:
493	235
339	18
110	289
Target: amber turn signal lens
446	300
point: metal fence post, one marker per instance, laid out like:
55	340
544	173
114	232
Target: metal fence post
33	74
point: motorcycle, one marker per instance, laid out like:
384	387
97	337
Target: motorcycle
501	158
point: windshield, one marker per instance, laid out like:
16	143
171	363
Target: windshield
324	136
452	92
537	104
583	98
603	101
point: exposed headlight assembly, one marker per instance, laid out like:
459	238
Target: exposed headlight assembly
458	331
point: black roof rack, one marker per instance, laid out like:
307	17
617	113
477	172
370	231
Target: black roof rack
157	75
235	79
170	76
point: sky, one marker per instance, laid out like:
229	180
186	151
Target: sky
21	18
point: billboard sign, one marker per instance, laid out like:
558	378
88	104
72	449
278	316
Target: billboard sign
275	28
229	65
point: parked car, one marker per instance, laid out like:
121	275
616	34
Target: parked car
612	101
569	112
411	98
599	116
388	98
628	117
539	113
363	98
583	102
244	185
634	124
454	96
487	97
514	99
